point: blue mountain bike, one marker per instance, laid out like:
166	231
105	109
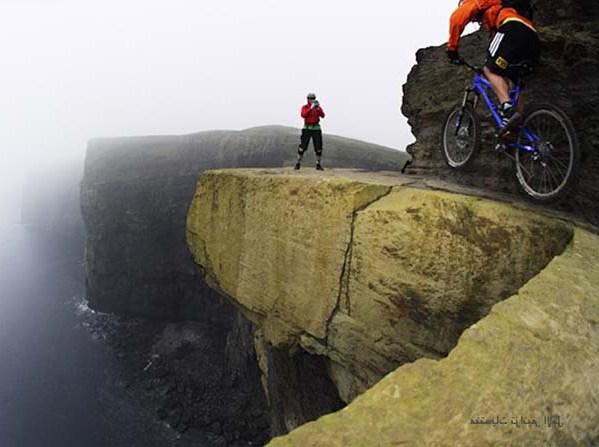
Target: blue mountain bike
544	147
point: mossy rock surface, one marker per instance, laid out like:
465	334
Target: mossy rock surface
534	358
362	268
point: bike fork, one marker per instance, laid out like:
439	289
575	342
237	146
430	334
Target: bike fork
464	102
467	96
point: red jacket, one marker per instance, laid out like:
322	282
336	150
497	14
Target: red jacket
311	115
489	12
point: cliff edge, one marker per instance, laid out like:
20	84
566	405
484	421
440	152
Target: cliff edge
134	198
135	195
370	272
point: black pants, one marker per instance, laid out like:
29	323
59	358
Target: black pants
316	136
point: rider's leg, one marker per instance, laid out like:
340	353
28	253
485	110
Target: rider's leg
513	43
500	85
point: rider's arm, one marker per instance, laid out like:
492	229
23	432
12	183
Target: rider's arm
305	110
459	19
320	112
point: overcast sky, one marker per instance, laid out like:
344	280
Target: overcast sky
76	69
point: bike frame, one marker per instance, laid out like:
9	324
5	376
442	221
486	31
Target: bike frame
481	86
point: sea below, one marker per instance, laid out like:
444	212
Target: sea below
58	385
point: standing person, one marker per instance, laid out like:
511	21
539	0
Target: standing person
311	113
515	41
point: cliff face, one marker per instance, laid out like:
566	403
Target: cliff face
524	375
490	308
361	270
566	77
134	198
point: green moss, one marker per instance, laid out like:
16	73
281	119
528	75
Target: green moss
535	355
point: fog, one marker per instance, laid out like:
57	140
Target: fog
73	70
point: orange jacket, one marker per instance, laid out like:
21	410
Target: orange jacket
489	12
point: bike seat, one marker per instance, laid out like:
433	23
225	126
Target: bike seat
521	71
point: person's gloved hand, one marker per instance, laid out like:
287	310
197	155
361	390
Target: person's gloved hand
454	57
315	104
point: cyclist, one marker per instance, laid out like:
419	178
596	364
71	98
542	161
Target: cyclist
514	41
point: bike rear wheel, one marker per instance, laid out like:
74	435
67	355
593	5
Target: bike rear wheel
461	136
550	172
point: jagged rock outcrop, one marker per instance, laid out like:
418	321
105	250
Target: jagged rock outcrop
524	375
566	77
361	269
134	197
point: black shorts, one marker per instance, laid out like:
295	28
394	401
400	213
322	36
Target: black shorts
513	44
315	135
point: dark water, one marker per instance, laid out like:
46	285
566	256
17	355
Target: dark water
56	386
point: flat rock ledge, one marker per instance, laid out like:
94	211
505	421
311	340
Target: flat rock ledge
491	308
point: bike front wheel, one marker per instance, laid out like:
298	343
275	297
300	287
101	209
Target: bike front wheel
461	136
549	171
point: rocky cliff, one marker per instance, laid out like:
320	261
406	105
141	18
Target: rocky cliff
134	198
524	375
567	77
203	374
371	272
